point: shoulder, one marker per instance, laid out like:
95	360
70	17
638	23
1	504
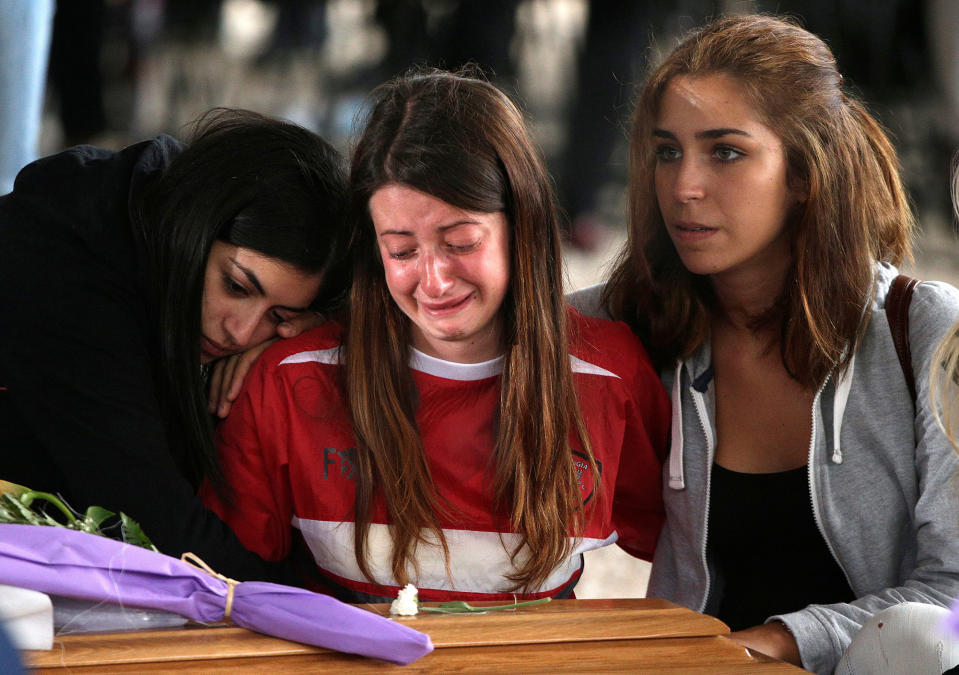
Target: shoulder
925	293
86	168
933	307
87	195
589	301
935	300
319	346
609	345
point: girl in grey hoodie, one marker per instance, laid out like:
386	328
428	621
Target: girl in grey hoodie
806	488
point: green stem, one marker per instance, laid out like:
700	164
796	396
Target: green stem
458	606
27	499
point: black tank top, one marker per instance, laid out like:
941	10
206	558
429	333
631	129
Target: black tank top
765	549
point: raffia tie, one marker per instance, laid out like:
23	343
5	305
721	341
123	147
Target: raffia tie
195	561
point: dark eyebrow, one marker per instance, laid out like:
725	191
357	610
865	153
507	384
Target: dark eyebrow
442	228
718	133
708	133
251	277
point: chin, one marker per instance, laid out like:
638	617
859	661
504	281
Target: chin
451	336
698	269
699	266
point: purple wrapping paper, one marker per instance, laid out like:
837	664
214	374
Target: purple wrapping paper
79	565
952	621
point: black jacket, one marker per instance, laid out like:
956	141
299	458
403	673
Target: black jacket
79	414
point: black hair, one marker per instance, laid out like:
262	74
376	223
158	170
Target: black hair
251	181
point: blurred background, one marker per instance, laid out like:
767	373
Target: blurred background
110	72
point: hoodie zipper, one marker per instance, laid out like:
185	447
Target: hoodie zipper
710	450
812	485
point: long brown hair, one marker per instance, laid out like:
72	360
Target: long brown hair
461	140
944	369
856	212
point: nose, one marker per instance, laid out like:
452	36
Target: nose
240	328
436	277
688	181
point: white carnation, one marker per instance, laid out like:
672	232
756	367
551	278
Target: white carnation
405	603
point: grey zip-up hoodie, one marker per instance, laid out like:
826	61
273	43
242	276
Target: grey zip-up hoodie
883	479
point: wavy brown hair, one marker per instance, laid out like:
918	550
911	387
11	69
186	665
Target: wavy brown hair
944	375
460	139
856	213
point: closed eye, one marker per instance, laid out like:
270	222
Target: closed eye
234	287
279	316
463	248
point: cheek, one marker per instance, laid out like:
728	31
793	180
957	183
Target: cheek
660	186
400	279
768	187
504	276
770	203
209	308
265	330
494	271
214	301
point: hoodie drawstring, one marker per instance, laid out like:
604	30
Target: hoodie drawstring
677	480
843	386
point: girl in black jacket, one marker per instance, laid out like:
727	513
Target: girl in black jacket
123	275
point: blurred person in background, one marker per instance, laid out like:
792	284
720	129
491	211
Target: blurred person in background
615	49
25	29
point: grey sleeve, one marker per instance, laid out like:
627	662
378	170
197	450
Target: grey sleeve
824	631
589	301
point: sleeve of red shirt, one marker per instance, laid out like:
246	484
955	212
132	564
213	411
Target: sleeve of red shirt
638	501
258	504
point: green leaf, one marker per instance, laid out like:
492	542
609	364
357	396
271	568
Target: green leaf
17	506
461	607
134	534
6	487
12	511
97	514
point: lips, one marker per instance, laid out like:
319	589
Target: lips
692	231
686	226
447	307
213	349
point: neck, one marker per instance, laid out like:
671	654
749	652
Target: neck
480	348
744	295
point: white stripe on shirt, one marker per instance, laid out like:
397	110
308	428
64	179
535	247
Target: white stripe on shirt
479	561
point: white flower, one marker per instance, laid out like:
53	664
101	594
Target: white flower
405	603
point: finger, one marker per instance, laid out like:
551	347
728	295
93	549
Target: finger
243	365
234	377
299	324
216	379
225	402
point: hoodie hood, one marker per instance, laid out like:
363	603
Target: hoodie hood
696	373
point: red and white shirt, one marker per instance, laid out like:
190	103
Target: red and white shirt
288	452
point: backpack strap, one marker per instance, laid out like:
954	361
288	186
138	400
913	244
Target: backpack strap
897	313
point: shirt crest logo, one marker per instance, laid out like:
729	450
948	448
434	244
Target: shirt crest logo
584	475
